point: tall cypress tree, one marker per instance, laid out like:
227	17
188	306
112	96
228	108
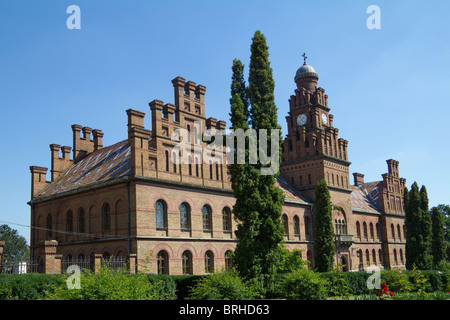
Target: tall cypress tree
412	221
238	87
324	232
439	245
260	231
426	258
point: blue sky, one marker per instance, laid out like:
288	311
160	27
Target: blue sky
388	88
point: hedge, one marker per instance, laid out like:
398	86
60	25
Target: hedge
31	286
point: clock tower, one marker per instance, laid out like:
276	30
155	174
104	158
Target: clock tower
312	149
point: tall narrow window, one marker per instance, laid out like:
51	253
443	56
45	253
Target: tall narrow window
358	230
371	231
196	167
49	226
69	221
226	218
186	259
399	233
106	217
162	262
209	262
174	160
309	178
167	160
190	165
210	170
81	221
301	180
207	218
365	230
188	133
228	259
285	222
296	226
184	217
160	214
217	171
307	228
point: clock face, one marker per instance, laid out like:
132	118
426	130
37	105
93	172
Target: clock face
301	119
324	118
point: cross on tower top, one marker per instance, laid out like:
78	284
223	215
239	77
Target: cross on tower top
304	58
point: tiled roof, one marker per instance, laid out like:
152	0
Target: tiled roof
106	164
290	192
366	197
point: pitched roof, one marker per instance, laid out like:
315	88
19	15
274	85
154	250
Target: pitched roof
290	191
366	197
106	164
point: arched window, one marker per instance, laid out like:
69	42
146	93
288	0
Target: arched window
188	127
285	222
358	230
228	259
401	257
196	167
217	171
210	170
174	161
377	227
106	217
69	221
296	226
404	232
372	236
374	257
160	215
185	217
207	218
398	232
81	221
209	262
392	232
190	165
365	230
226	219
49	226
162	262
395	257
186	259
307	228
167	160
367	257
380	257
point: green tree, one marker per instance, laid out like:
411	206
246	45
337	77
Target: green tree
238	87
323	224
16	247
439	245
426	259
258	200
418	229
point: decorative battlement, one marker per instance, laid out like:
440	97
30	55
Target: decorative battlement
392	196
304	97
82	145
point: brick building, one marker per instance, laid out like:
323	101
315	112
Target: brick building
132	198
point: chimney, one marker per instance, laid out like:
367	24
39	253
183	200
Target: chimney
358	178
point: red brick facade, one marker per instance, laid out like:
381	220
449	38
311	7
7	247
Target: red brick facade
132	199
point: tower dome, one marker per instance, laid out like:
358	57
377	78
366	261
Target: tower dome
306	71
306	76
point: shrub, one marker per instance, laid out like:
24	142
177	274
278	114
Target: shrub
166	286
397	280
225	285
109	285
305	284
184	283
31	286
